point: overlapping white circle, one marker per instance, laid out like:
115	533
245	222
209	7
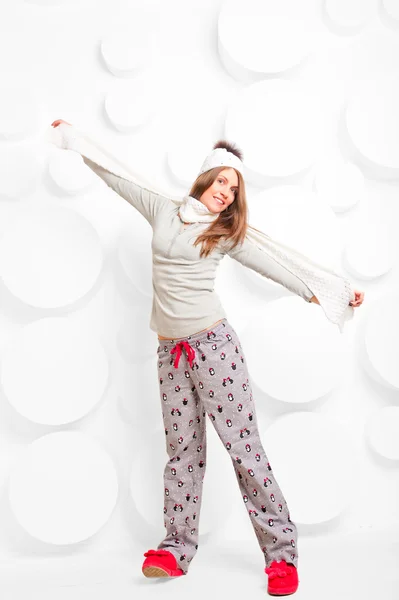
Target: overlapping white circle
50	257
141	402
126	52
130	105
392	8
15	160
382	432
63	488
261	42
350	14
340	183
279	125
65	371
301	220
373	122
381	337
19	111
312	459
135	341
185	165
370	253
69	172
134	254
302	354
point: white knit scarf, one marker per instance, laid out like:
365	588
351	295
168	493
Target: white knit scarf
192	210
333	291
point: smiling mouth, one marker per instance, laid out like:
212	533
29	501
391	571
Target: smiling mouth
219	201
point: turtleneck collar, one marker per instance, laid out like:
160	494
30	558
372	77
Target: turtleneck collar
192	210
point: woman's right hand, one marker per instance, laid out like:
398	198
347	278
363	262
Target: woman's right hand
58	122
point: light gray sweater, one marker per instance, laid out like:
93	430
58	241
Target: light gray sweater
184	300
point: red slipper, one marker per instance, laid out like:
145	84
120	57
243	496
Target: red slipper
283	578
160	563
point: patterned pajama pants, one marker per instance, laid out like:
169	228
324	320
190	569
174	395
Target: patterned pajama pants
206	373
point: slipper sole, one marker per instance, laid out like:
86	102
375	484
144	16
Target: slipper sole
152	571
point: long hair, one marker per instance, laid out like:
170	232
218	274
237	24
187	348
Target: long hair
231	224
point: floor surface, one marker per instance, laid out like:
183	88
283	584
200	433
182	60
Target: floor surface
348	567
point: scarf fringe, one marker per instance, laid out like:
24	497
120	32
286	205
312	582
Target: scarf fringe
333	291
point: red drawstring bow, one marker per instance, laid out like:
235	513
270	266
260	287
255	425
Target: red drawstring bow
178	349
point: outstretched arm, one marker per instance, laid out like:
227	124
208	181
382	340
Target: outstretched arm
249	255
113	172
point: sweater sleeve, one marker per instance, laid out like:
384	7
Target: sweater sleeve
113	172
251	256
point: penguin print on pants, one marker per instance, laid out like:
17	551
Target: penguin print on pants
206	375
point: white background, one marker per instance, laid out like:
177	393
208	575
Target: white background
309	91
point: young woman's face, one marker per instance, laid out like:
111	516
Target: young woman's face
224	188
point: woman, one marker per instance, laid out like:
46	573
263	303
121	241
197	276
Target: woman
202	367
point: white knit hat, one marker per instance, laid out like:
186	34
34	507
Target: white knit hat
220	157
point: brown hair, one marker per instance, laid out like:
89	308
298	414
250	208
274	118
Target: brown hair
231	224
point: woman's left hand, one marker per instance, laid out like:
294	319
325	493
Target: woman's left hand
359	297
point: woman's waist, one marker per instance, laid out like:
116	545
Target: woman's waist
209	327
